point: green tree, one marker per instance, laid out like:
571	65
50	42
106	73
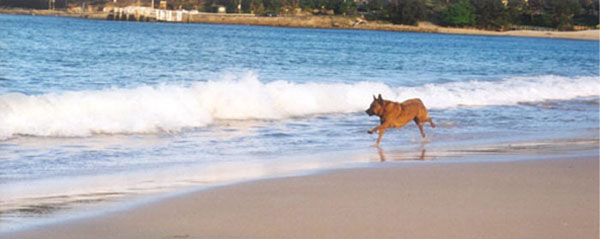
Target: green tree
516	10
562	12
376	10
347	7
589	14
407	11
272	5
433	9
537	13
461	13
491	14
257	7
33	4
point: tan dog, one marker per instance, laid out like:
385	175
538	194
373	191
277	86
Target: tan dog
395	115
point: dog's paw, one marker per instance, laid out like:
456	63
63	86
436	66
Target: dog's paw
369	131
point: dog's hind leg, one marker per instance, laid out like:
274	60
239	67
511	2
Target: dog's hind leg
423	117
422	131
420	125
431	122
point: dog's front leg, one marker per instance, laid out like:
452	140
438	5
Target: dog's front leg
374	129
381	131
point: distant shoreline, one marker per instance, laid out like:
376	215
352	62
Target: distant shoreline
330	22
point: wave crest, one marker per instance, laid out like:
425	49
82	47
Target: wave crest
171	108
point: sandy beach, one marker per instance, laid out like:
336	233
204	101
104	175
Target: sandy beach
543	198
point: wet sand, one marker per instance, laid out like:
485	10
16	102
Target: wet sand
542	198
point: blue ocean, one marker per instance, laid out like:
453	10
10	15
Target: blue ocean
95	115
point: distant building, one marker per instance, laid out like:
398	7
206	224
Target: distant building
219	9
505	2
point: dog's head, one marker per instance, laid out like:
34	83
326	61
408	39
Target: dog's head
376	107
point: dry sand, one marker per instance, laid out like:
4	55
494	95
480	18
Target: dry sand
520	199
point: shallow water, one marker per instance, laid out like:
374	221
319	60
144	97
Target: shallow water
96	111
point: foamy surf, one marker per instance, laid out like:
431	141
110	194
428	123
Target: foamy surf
172	108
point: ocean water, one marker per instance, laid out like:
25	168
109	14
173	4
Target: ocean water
95	114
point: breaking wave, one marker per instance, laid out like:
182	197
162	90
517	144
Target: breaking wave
171	108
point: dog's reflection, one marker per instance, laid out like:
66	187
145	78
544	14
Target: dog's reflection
383	158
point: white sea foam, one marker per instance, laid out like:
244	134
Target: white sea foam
171	108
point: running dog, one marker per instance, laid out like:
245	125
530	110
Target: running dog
395	115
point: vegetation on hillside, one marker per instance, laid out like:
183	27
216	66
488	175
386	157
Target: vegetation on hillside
486	14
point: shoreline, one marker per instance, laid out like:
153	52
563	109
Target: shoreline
114	200
535	198
485	164
329	22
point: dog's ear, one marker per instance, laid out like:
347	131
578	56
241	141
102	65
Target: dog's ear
374	98
380	99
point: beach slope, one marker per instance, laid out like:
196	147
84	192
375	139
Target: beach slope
555	198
